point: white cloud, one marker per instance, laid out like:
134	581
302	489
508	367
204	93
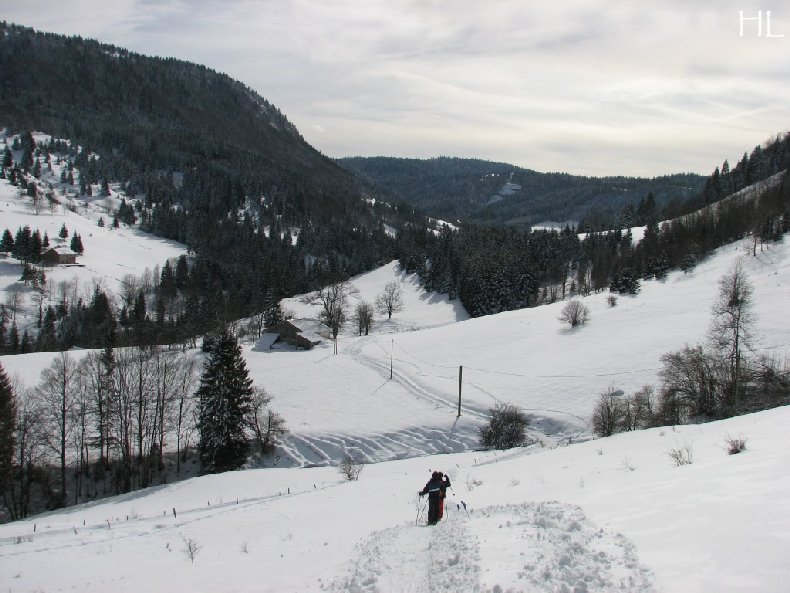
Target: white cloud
580	85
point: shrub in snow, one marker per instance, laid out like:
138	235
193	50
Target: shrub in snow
472	483
507	428
735	444
191	548
575	313
612	300
350	468
682	455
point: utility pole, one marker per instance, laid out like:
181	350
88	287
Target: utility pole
460	378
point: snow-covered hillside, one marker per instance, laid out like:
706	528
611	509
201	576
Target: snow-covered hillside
528	358
110	254
602	516
347	403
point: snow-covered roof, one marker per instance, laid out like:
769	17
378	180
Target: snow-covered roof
266	341
61	250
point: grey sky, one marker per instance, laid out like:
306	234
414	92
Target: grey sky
584	86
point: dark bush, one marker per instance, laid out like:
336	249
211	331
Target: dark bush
507	428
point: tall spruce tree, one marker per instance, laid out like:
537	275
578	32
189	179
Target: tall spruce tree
225	402
7	432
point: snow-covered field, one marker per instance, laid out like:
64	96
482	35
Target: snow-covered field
527	358
601	516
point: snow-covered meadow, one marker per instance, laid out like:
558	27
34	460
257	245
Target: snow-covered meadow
606	515
527	358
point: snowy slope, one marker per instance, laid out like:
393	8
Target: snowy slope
525	357
110	254
601	516
348	404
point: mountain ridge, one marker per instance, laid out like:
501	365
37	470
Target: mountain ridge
462	188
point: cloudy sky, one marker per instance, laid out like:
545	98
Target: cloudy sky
585	86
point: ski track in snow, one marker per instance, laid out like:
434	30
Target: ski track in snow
311	450
317	450
553	548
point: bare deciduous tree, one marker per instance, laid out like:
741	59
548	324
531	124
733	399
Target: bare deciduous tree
36	198
333	299
608	413
184	410
14	300
130	286
41	294
95	371
644	407
690	385
67	291
575	313
266	425
363	317
56	394
350	467
81	412
191	548
732	329
28	452
391	300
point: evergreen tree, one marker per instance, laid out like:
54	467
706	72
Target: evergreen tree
36	243
64	232
8	158
7	432
167	283
139	310
76	244
4	318
7	242
273	315
126	213
182	271
12	341
225	402
26	344
47	337
625	282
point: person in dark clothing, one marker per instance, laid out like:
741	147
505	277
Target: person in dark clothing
435	489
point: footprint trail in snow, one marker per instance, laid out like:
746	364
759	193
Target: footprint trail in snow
548	547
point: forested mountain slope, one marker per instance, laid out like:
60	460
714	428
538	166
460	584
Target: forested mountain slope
201	158
148	116
485	191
